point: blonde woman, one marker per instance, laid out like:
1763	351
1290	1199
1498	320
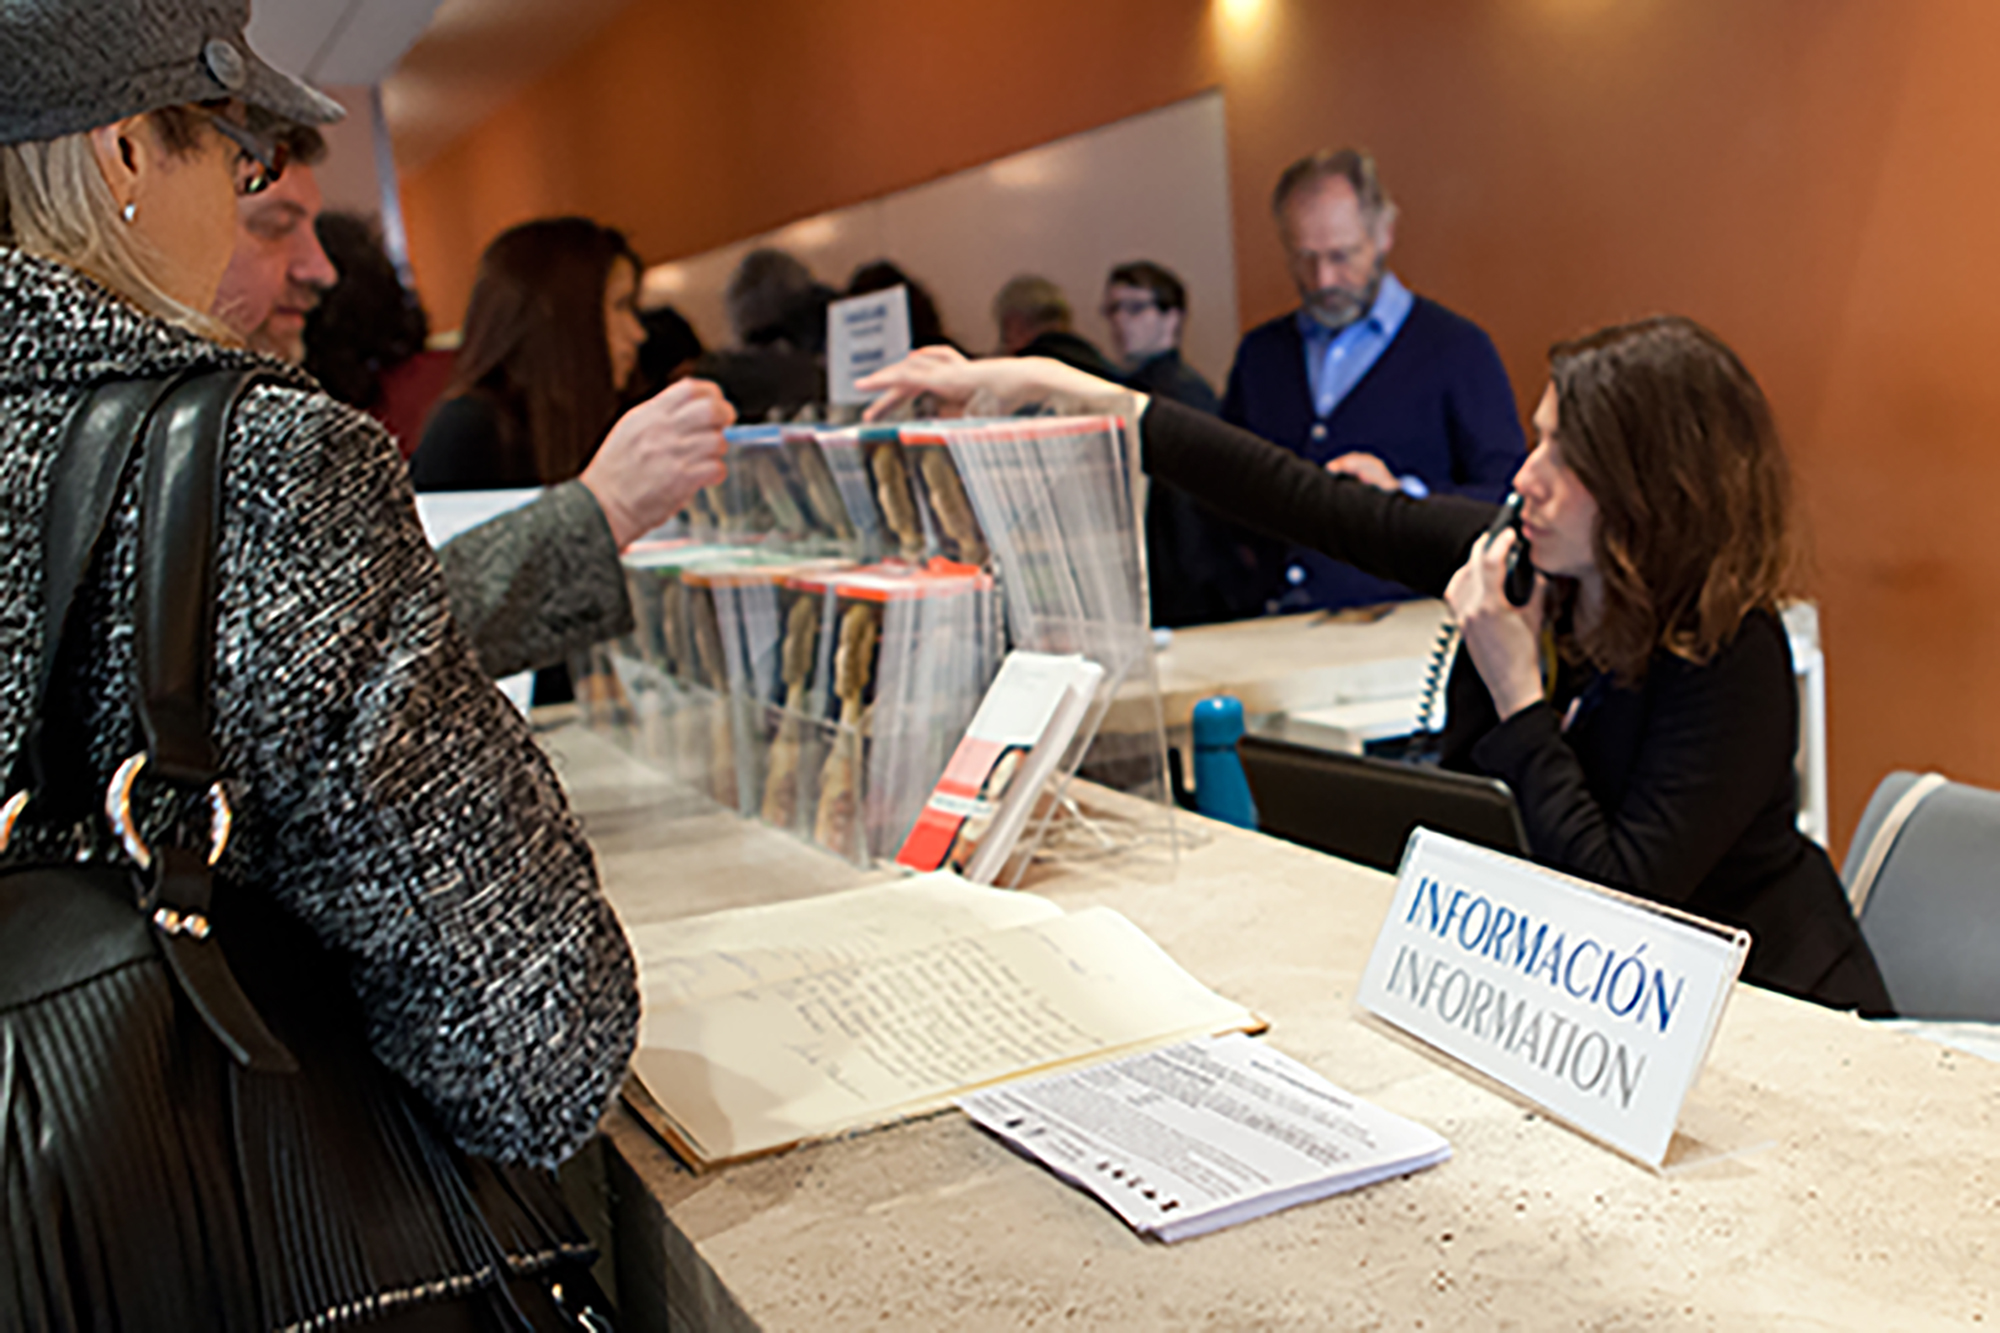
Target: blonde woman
405	898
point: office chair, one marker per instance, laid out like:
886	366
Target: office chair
1921	876
1363	809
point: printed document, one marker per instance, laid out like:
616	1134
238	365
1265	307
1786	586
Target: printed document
1202	1135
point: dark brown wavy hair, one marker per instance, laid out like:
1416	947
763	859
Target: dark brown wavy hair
1695	527
535	340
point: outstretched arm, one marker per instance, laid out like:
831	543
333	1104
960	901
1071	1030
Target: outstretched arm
1420	543
1236	473
536	584
947	376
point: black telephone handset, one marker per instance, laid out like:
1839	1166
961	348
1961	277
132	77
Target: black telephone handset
1518	586
1520	582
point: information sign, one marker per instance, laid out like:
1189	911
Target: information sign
1595	1005
864	334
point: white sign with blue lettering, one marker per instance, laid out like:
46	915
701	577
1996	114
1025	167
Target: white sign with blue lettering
1595	1005
864	334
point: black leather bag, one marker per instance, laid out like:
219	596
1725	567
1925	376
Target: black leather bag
193	1133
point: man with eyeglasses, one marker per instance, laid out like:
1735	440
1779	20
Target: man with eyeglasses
1365	377
1146	306
1200	568
538	583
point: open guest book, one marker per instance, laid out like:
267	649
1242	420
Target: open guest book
768	1027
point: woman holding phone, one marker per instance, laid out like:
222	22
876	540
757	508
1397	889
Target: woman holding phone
1641	704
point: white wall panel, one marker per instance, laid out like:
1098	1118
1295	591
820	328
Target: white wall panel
337	41
1154	186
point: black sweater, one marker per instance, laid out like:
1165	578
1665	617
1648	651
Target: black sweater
1681	789
472	443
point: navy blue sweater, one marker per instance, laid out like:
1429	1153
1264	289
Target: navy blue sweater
1436	405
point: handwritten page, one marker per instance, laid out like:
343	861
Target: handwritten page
819	1054
681	962
1204	1134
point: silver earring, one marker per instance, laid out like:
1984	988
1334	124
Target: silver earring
129	213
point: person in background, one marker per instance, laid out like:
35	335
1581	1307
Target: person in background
1642	705
1200	568
1034	319
926	325
551	336
1365	377
278	277
278	268
765	297
367	323
536	584
406	897
1145	305
777	313
670	351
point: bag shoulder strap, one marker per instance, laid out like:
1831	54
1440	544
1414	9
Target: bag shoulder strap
83	486
1884	841
174	645
184	420
174	612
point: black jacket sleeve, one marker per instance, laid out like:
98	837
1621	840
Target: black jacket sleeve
1420	543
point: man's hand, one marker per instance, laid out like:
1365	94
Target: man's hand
1368	468
657	456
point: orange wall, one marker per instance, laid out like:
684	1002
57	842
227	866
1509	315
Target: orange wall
690	126
1811	177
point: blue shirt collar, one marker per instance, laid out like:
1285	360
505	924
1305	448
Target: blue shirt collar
1391	308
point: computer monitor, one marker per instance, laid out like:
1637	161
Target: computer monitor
1363	809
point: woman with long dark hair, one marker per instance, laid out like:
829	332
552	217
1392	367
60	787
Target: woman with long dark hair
551	335
1642	704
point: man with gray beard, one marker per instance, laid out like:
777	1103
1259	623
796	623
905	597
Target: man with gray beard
1365	377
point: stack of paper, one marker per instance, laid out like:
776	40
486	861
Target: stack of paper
1203	1135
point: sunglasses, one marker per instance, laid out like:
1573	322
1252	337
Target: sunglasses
262	159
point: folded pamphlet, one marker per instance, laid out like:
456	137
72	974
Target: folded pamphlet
976	812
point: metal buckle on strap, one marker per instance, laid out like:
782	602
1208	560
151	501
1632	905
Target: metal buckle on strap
181	923
10	814
118	809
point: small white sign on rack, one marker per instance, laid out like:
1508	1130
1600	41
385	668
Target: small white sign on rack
864	334
1595	1005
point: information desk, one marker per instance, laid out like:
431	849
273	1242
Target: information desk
1865	1192
1314	678
1283	664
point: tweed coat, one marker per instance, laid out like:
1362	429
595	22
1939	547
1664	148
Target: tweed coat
539	583
384	791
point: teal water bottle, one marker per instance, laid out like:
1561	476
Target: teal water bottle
1220	789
